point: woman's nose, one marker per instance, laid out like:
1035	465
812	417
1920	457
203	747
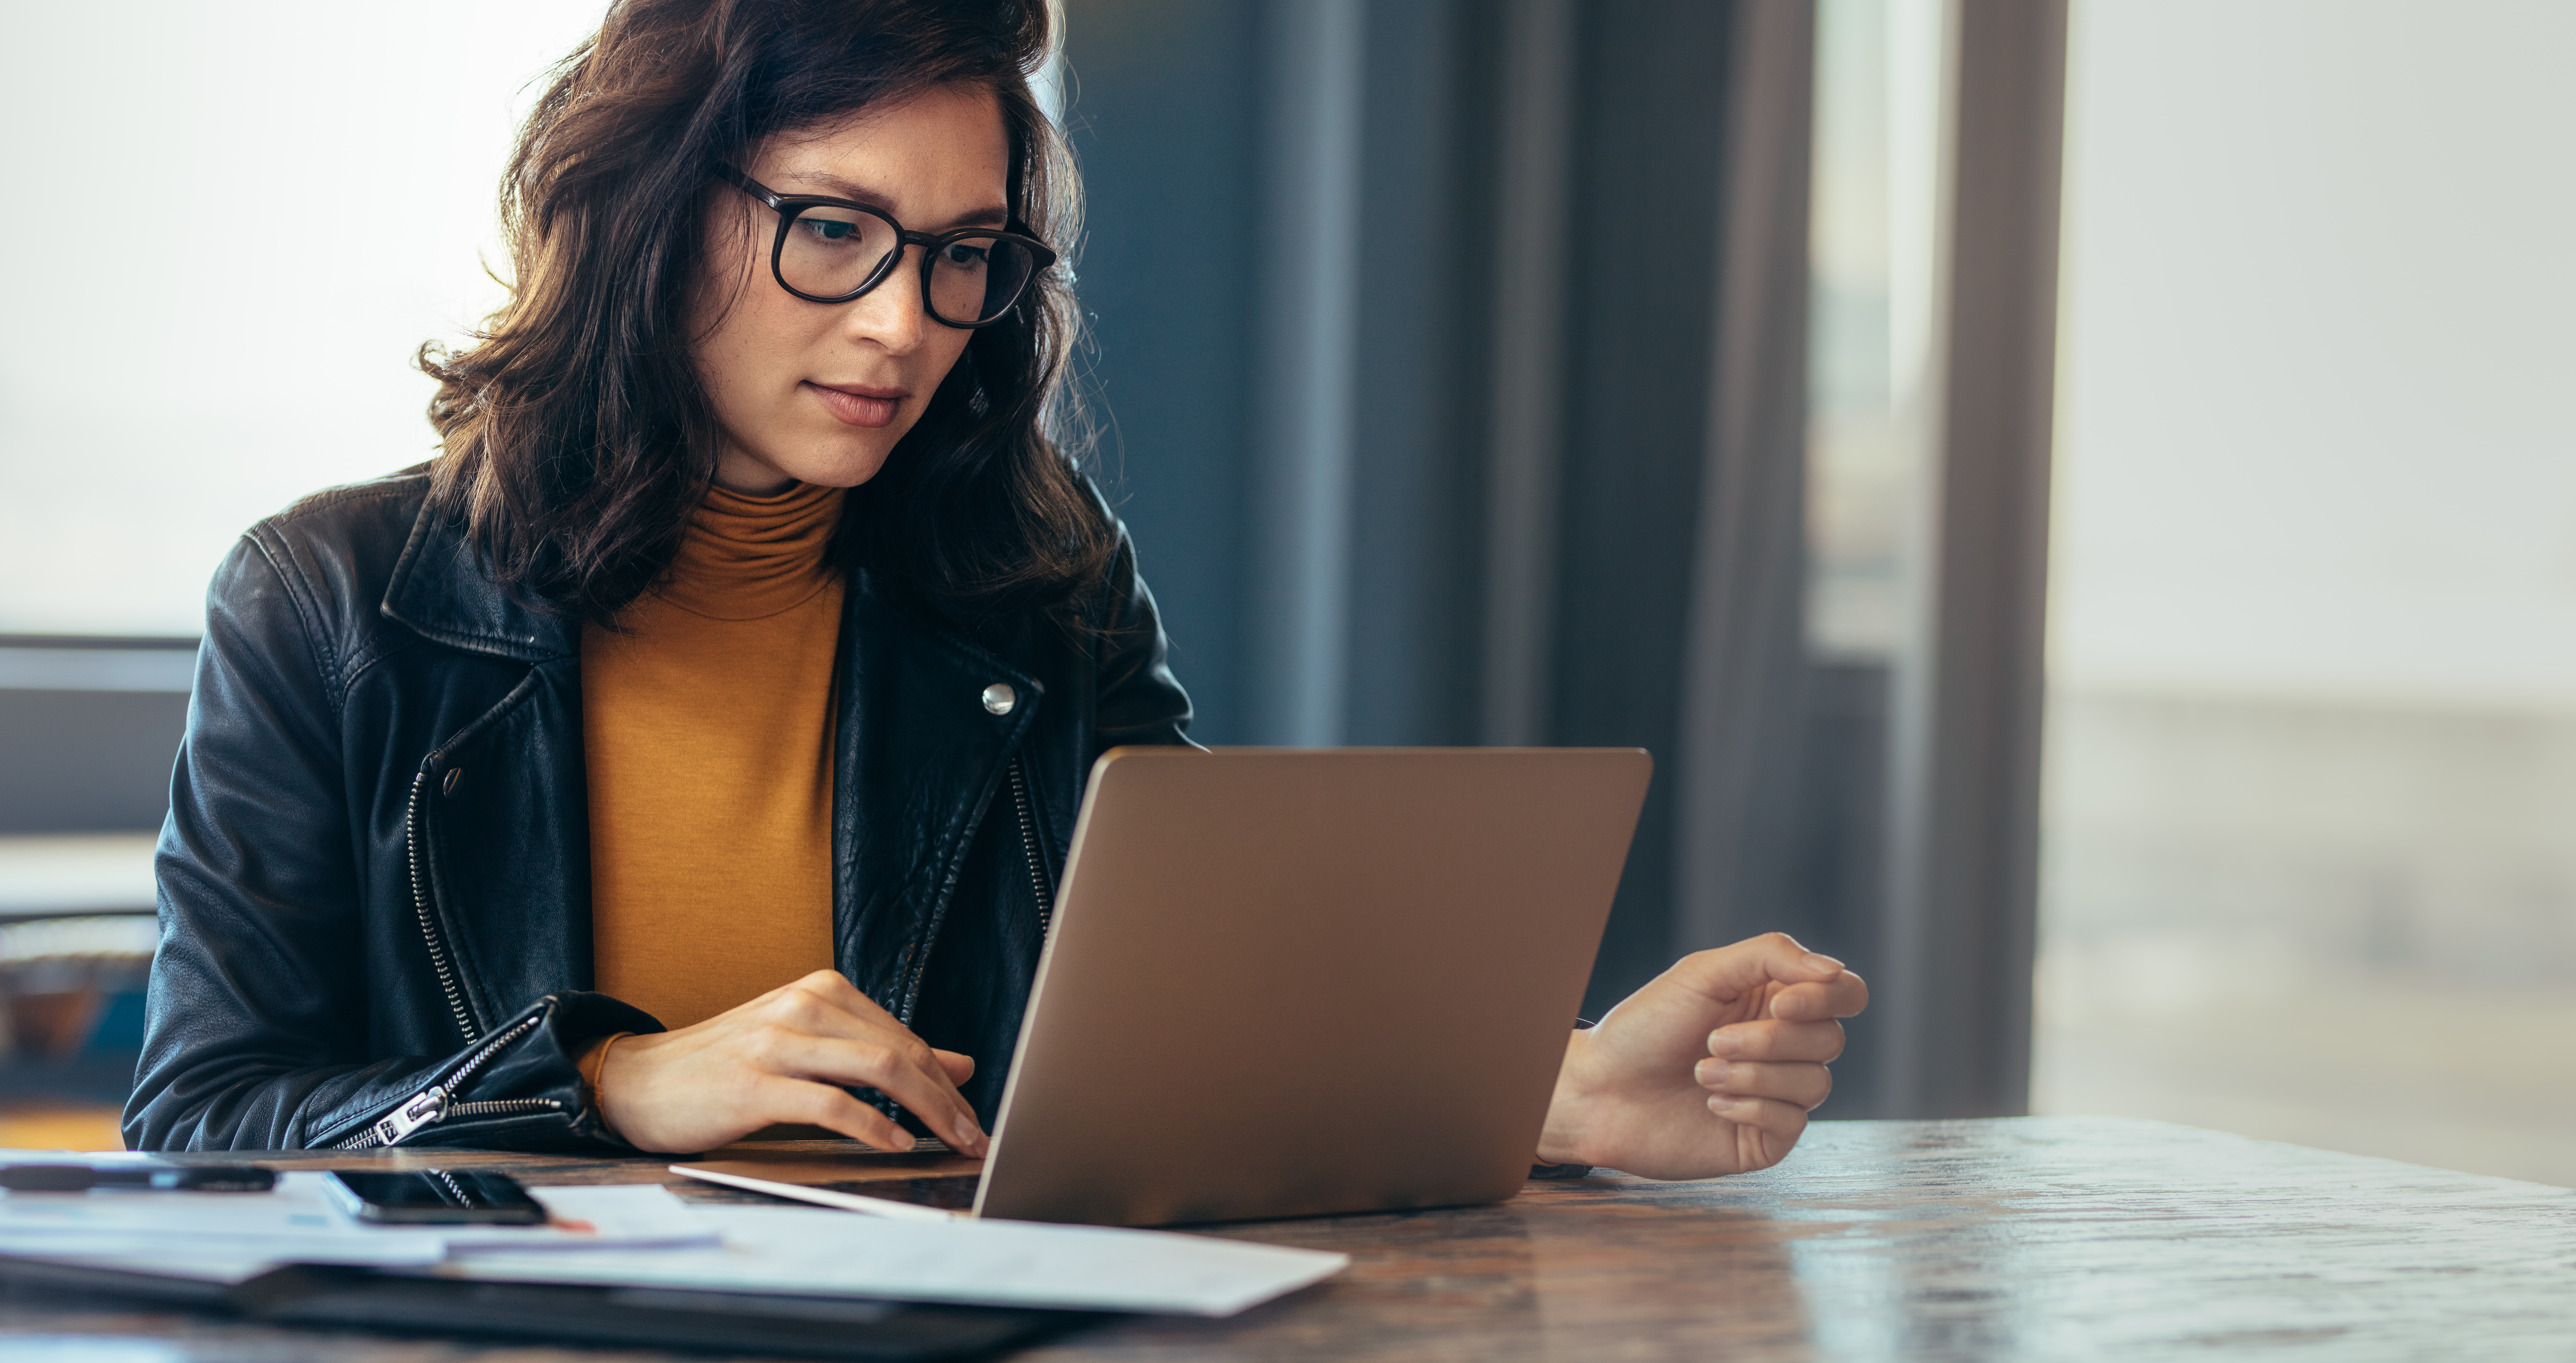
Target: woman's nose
891	314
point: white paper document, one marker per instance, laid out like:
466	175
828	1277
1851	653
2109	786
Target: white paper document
299	1222
988	1263
642	1235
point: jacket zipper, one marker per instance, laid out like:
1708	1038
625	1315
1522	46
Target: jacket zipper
1029	845
422	907
429	1107
1037	884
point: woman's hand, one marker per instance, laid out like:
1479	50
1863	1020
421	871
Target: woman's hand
1710	1069
784	1057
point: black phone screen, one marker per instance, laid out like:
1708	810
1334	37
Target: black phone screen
438	1197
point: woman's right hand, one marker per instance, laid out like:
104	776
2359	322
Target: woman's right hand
784	1057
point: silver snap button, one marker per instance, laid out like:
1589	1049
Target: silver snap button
455	778
999	698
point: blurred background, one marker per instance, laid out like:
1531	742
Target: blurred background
2076	496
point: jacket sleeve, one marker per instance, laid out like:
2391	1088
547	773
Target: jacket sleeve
256	1033
1139	701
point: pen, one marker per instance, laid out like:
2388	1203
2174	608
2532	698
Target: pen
195	1178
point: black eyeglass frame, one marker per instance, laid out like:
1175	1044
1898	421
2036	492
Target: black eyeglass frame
789	207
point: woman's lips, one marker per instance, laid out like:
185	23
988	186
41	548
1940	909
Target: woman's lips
857	406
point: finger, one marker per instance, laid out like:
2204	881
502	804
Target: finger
1772	1127
1805	1085
1774	1040
824	1006
1845	995
913	1075
904	1070
815	1006
1731	972
796	1100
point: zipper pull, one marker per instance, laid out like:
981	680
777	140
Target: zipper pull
425	1110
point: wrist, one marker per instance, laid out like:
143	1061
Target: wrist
1564	1139
594	1077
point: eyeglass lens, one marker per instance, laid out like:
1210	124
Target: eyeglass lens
831	252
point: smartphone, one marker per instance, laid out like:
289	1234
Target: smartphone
435	1197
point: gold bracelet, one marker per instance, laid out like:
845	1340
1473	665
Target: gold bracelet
594	1079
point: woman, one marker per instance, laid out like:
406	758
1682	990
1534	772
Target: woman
697	738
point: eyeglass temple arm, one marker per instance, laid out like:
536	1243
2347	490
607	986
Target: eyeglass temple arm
746	184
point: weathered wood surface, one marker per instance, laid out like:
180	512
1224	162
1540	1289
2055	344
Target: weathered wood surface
2034	1238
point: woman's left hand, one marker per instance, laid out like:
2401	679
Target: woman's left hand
1710	1069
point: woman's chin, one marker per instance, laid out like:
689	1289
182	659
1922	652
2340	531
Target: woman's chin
837	462
840	472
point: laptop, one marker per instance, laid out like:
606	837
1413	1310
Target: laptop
1287	982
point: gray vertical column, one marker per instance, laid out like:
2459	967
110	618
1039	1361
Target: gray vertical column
1954	992
1526	406
1646	199
1303	379
1741	721
1161	107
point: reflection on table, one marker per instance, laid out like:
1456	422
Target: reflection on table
2030	1238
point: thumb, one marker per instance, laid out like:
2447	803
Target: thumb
1731	972
960	1067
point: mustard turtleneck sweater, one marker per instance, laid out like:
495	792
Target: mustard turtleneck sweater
707	727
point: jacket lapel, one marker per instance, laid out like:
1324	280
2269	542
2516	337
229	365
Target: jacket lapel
440	591
919	757
504	815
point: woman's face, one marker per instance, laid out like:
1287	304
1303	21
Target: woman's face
820	392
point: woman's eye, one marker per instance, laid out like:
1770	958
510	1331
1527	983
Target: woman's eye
829	229
964	255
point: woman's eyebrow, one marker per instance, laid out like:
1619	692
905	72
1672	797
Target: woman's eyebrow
995	216
834	186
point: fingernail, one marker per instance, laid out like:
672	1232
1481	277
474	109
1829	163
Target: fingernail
1728	1044
1712	1073
1820	961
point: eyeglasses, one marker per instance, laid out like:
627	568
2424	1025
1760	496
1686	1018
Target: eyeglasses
833	250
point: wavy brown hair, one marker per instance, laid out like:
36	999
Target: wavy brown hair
577	436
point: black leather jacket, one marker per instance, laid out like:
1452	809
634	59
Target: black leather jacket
375	877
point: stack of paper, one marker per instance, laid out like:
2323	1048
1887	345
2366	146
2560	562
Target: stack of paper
641	1235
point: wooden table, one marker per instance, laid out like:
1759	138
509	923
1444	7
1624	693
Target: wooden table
2030	1238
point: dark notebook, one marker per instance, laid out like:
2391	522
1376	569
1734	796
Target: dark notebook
634	1317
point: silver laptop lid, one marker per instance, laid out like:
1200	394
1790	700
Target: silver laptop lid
1295	982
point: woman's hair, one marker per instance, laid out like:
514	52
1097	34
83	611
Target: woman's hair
577	435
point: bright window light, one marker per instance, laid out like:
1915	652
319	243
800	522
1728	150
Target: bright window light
231	227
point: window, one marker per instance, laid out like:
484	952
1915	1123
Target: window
2311	815
226	256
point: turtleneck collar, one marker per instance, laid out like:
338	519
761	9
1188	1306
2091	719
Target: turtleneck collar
747	557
